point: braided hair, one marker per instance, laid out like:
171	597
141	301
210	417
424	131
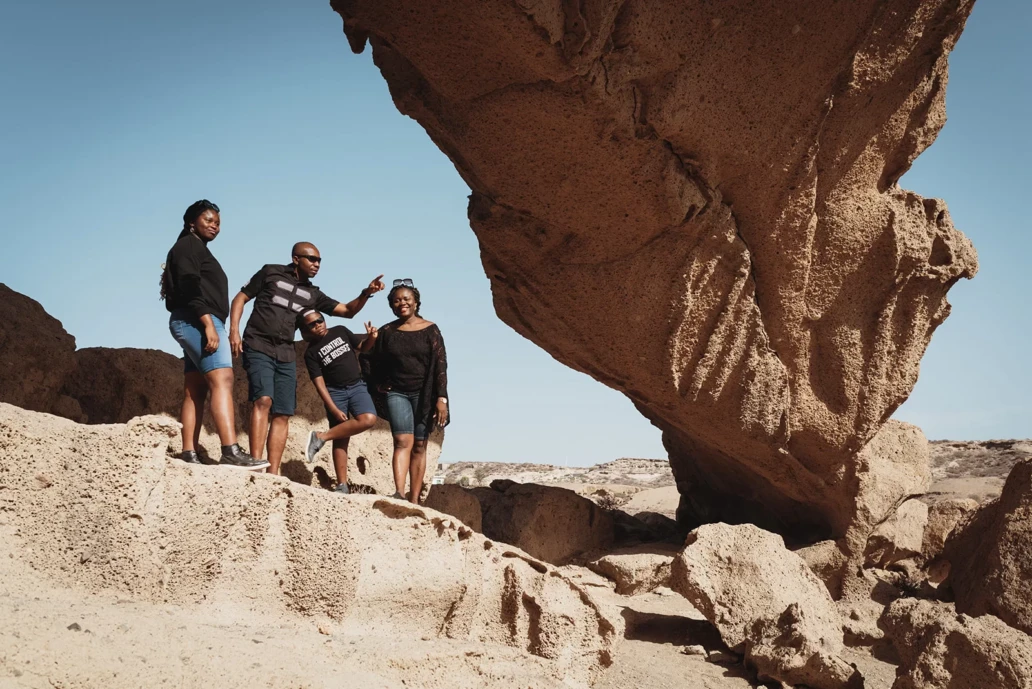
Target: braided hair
193	212
398	288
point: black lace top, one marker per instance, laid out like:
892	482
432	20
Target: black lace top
409	361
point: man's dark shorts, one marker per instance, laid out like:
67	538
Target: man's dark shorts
267	377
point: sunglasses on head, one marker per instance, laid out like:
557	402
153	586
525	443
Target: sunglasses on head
311	259
317	321
407	282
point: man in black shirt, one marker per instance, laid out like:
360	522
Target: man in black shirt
332	362
281	292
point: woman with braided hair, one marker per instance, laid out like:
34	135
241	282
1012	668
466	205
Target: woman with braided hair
409	374
196	293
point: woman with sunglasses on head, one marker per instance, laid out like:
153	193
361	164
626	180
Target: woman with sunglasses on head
409	369
196	293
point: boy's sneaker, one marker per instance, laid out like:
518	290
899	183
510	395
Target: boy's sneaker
313	446
190	457
233	456
342	488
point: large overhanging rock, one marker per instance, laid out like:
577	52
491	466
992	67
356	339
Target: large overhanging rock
696	204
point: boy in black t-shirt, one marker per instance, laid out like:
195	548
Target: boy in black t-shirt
332	362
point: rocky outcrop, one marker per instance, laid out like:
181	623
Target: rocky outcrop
989	555
766	604
720	180
943	517
636	569
36	355
900	537
102	509
940	649
456	501
552	524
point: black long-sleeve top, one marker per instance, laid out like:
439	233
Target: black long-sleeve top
197	279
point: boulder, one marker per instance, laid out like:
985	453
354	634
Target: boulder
36	354
792	286
828	561
940	649
113	385
456	501
637	569
103	510
552	524
899	537
943	517
989	555
766	604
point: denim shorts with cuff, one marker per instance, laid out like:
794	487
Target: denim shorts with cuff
267	377
188	331
401	412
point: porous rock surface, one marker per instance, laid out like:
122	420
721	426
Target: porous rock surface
943	517
990	558
101	510
456	501
637	569
940	649
718	179
766	604
552	524
899	537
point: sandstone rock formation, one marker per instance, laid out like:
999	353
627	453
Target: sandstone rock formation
766	604
989	555
36	354
102	510
940	649
552	524
719	179
899	537
456	501
637	569
943	517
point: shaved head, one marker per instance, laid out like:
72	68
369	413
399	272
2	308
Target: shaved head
304	248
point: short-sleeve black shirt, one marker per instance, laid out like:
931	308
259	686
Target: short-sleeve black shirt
279	296
335	358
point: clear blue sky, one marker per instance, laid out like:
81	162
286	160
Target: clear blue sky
117	115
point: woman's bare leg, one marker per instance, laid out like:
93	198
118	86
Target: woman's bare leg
402	457
417	469
195	390
220	381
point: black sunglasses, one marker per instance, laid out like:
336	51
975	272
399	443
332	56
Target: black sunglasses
317	321
311	259
407	282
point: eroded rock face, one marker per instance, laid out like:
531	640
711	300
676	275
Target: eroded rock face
102	509
36	354
637	569
766	604
940	649
990	558
456	501
552	524
718	179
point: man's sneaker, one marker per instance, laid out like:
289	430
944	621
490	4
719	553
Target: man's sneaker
313	447
233	456
342	488
190	457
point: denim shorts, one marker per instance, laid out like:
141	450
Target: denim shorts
401	412
267	377
353	400
188	331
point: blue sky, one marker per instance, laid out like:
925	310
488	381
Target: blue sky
117	115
